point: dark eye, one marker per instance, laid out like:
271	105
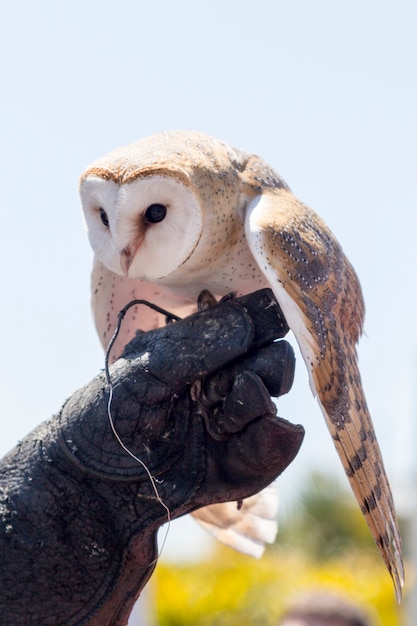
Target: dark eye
155	213
103	217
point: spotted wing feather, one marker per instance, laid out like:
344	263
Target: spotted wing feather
321	298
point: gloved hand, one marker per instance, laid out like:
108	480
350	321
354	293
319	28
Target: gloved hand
191	401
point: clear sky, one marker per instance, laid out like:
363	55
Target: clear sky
325	91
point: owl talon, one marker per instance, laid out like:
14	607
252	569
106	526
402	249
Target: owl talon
228	296
205	300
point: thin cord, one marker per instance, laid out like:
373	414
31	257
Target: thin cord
170	317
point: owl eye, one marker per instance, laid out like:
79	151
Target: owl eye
155	213
103	217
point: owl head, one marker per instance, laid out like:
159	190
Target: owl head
145	228
147	206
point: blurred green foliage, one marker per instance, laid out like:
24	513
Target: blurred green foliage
326	521
323	544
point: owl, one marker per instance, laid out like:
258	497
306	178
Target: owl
179	212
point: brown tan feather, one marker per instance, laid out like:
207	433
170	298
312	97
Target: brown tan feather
316	274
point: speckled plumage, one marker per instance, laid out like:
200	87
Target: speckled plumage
232	224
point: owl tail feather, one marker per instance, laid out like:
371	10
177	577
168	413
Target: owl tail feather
246	528
373	494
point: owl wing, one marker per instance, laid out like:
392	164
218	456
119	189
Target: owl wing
246	529
321	298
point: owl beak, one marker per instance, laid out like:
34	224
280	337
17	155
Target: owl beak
128	253
126	259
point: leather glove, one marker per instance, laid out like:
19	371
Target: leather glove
191	401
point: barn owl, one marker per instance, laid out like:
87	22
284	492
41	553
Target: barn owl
181	211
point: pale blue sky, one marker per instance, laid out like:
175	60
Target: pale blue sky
326	91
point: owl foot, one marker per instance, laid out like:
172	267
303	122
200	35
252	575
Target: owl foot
206	299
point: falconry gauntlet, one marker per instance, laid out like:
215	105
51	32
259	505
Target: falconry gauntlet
191	401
